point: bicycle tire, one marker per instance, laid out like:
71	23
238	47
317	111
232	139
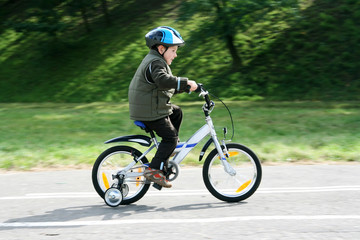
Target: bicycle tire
110	162
238	187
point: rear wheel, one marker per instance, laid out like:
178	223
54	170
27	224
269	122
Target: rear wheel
234	187
110	162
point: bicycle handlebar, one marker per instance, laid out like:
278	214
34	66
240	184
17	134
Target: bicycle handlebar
205	94
199	88
207	108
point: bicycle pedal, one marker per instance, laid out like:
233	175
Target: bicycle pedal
157	186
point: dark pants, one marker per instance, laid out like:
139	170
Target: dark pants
168	129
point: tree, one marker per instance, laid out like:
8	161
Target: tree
228	17
55	16
105	10
82	8
41	16
87	10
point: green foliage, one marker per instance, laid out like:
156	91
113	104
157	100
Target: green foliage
229	17
41	16
318	60
286	53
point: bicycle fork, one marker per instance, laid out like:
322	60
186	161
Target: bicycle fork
227	167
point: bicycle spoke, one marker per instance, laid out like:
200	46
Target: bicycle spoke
234	187
111	163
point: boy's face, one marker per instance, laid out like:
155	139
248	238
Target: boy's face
170	54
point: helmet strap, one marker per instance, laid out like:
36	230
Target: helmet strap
166	48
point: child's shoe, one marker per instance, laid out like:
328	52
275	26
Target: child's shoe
157	176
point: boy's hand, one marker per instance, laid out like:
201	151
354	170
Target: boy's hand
193	85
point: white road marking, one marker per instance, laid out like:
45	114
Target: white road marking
310	189
192	192
179	220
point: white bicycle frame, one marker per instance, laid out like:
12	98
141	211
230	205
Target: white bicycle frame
183	148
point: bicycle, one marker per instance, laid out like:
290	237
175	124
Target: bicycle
231	172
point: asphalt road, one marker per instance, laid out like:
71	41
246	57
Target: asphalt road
293	202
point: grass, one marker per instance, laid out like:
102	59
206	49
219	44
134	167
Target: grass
57	134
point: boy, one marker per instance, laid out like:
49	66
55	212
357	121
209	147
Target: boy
149	96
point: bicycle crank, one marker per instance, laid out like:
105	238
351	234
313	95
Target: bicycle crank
172	171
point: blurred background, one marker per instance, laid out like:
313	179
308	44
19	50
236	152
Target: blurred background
291	70
85	51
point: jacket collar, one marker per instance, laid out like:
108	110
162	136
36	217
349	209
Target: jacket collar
154	52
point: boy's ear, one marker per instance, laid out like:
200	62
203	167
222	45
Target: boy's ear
161	48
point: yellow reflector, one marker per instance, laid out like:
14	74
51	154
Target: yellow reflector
231	154
138	178
242	187
106	182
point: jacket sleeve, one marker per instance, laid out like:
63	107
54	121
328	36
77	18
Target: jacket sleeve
165	80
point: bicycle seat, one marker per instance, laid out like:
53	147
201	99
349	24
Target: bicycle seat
142	126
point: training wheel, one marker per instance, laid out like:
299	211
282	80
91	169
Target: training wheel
113	197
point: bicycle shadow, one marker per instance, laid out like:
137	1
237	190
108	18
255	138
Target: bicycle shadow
103	212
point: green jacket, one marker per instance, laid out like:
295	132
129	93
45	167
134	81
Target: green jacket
149	99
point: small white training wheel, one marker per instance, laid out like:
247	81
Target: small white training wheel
113	197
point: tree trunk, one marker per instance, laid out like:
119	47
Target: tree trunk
85	19
229	38
106	12
237	62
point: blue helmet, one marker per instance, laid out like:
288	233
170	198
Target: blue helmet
163	35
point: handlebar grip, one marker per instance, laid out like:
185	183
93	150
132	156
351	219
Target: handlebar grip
199	88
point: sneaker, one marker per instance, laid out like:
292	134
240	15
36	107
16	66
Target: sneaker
157	176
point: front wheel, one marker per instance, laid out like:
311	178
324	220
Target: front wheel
243	180
110	162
